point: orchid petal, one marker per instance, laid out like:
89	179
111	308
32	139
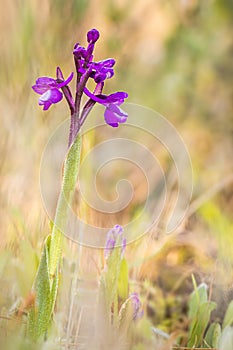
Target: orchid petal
114	115
65	82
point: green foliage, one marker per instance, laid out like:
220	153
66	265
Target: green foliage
123	280
221	225
110	279
226	341
200	309
71	168
45	289
228	318
213	335
46	282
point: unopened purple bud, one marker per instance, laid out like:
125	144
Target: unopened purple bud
137	312
118	229
92	36
114	235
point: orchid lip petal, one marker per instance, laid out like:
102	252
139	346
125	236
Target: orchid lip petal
114	115
55	96
50	97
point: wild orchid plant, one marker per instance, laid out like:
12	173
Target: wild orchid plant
51	91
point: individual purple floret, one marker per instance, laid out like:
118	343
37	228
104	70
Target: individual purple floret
48	88
113	114
103	70
136	303
115	236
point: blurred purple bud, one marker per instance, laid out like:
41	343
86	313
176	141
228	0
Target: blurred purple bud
114	235
136	303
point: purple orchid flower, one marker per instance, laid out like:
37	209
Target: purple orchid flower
52	90
103	70
48	88
113	114
136	303
115	235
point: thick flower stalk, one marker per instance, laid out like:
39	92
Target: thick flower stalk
51	91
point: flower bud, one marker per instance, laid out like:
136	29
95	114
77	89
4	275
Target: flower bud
92	36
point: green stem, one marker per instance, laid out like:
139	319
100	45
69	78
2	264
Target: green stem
71	168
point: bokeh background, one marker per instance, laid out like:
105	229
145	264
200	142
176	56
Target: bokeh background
172	56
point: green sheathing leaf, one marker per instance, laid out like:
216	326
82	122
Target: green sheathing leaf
198	297
123	280
213	336
228	318
47	278
199	313
40	315
71	168
112	274
109	283
226	341
200	323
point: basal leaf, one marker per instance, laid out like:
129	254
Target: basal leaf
198	297
45	289
199	323
226	341
228	319
213	335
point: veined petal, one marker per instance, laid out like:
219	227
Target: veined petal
45	81
40	89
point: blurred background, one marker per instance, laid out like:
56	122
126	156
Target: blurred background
172	56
